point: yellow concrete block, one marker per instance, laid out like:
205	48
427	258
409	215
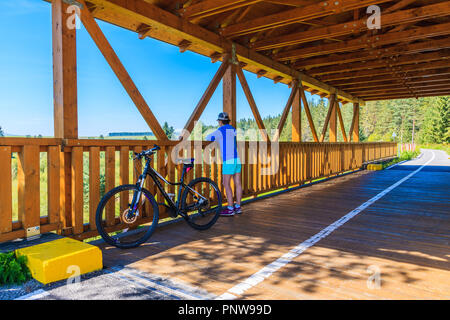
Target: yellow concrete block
374	167
60	259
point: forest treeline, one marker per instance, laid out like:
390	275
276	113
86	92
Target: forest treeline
423	120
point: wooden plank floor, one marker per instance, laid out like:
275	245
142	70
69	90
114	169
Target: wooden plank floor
404	236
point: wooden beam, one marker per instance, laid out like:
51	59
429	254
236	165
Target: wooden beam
285	113
165	22
184	45
333	120
308	114
397	89
208	8
297	117
394	97
330	113
261	73
391	19
439	80
216	56
207	95
277	79
294	3
404	91
65	110
393	61
427	74
444	63
341	122
116	65
370	42
354	129
229	93
252	103
399	5
314	11
143	31
368	55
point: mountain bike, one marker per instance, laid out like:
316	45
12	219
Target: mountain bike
128	215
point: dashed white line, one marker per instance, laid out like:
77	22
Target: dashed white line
273	267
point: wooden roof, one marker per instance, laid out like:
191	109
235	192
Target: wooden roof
325	43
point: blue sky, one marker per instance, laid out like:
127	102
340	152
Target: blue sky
171	82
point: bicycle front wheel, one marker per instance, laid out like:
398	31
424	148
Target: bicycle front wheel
201	202
115	223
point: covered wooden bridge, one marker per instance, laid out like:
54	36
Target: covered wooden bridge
348	51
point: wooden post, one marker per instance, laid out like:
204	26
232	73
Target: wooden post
341	121
229	93
65	113
355	128
308	113
64	73
297	118
333	119
28	174
328	119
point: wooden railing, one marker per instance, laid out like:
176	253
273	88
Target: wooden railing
56	184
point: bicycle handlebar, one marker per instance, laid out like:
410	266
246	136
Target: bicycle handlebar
147	153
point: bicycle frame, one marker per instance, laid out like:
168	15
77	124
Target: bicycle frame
156	177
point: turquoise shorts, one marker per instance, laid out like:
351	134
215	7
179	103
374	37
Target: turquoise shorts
231	166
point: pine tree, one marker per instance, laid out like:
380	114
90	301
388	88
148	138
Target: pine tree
443	121
2	134
168	130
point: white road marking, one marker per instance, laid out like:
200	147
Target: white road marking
176	290
388	168
38	294
273	267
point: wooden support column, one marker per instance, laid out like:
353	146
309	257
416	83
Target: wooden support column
65	113
331	114
341	121
64	73
308	113
297	118
229	93
354	130
333	119
285	113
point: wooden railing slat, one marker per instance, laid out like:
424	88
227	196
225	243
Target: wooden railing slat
5	190
28	172
54	183
94	184
297	163
110	176
77	190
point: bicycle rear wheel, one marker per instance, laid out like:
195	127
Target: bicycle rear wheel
117	226
202	202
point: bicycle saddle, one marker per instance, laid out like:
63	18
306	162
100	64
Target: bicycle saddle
185	161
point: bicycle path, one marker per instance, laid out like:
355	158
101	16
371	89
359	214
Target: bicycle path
336	240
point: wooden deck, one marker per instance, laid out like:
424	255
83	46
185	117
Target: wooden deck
404	236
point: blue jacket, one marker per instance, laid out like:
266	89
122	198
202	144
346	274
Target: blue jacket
226	137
